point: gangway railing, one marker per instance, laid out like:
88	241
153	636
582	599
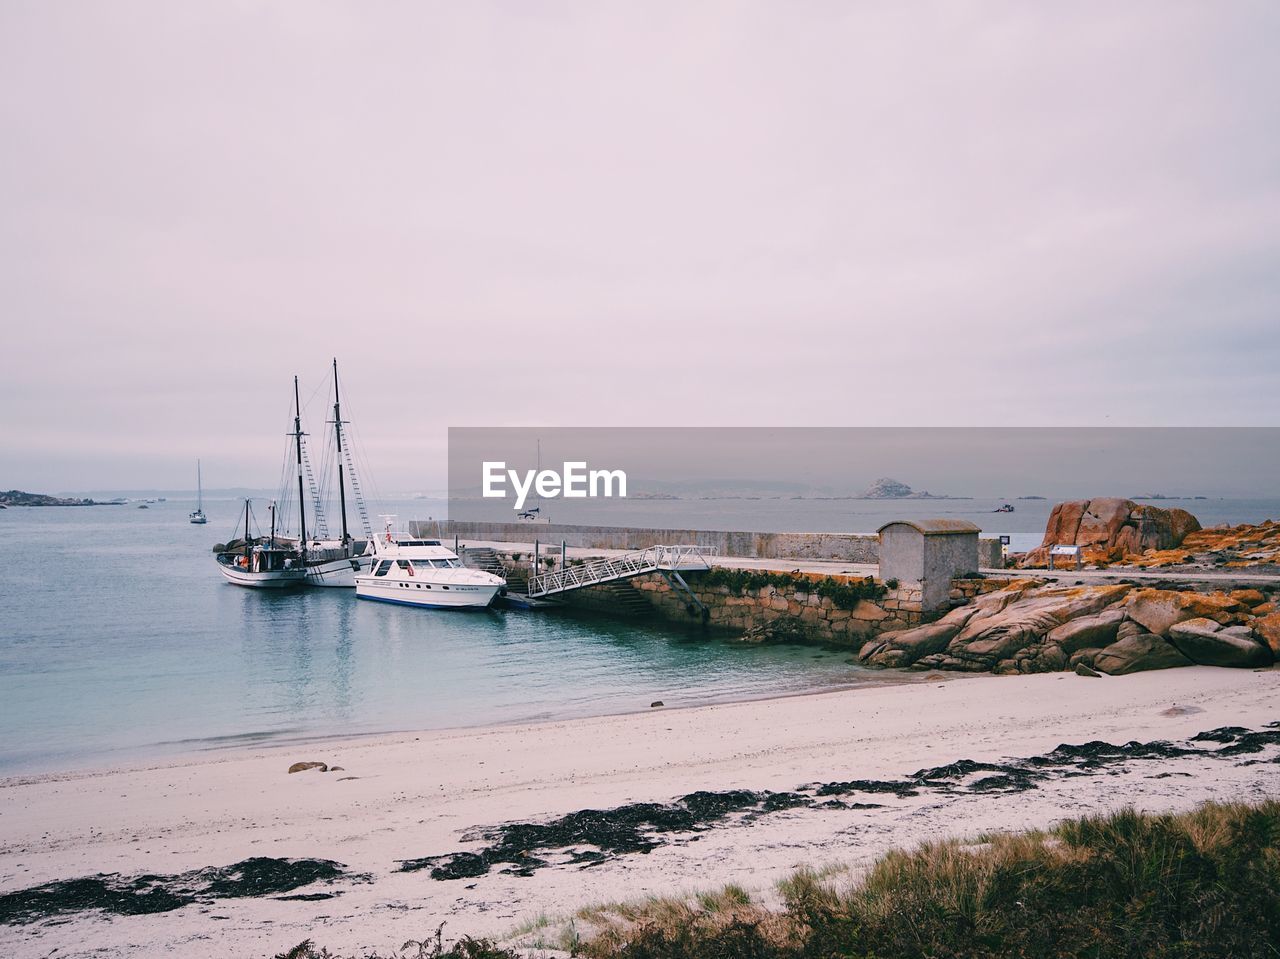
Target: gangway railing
651	560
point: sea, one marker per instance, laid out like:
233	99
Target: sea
121	643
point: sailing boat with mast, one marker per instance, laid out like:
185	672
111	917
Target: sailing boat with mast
197	515
330	562
261	563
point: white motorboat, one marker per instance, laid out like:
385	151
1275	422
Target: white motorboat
261	564
412	571
197	515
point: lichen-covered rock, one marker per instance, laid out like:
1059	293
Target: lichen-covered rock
1137	654
1109	528
998	635
1159	609
1099	630
1267	628
1249	597
1208	643
904	647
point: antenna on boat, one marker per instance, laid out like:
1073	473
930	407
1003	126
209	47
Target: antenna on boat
297	436
388	517
337	432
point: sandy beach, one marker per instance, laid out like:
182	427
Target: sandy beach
426	795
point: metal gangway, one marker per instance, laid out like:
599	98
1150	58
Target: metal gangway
668	560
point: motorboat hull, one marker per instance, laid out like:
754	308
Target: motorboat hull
427	595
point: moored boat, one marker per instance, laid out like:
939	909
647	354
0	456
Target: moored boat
337	562
261	563
413	571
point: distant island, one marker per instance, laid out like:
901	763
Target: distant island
1030	497
17	497
886	488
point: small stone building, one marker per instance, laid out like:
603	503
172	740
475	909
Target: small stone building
929	552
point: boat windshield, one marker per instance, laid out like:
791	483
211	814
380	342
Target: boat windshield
437	563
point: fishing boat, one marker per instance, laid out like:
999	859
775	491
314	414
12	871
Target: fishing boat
261	563
1006	508
412	571
197	515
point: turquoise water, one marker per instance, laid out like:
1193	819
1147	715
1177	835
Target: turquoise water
120	641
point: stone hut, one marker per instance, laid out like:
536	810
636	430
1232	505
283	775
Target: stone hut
930	552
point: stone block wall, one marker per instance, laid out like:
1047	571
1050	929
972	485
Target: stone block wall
817	617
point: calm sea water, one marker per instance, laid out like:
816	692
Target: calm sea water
119	640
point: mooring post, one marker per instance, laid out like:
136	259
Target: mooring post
564	555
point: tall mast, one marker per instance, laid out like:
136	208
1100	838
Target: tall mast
337	432
272	544
199	489
297	437
246	534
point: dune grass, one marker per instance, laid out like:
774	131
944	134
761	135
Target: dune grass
1125	884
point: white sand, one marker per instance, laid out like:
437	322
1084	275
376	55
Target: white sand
416	795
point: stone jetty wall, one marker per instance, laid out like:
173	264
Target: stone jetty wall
844	547
789	612
838	546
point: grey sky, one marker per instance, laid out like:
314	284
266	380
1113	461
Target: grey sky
634	214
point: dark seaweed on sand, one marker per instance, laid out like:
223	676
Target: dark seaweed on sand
140	895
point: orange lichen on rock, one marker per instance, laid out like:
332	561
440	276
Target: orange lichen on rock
1110	528
1232	547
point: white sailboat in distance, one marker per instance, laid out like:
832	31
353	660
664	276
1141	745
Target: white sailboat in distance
197	515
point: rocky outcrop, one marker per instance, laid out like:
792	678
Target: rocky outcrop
886	488
1110	528
1137	654
1209	643
1160	609
1249	545
1029	627
1267	629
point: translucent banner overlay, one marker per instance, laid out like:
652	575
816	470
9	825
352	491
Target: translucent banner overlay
854	479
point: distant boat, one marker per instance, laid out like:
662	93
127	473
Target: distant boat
197	515
262	563
534	514
412	571
1006	508
143	506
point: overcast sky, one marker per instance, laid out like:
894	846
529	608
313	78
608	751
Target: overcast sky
584	213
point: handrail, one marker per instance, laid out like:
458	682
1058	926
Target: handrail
636	563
